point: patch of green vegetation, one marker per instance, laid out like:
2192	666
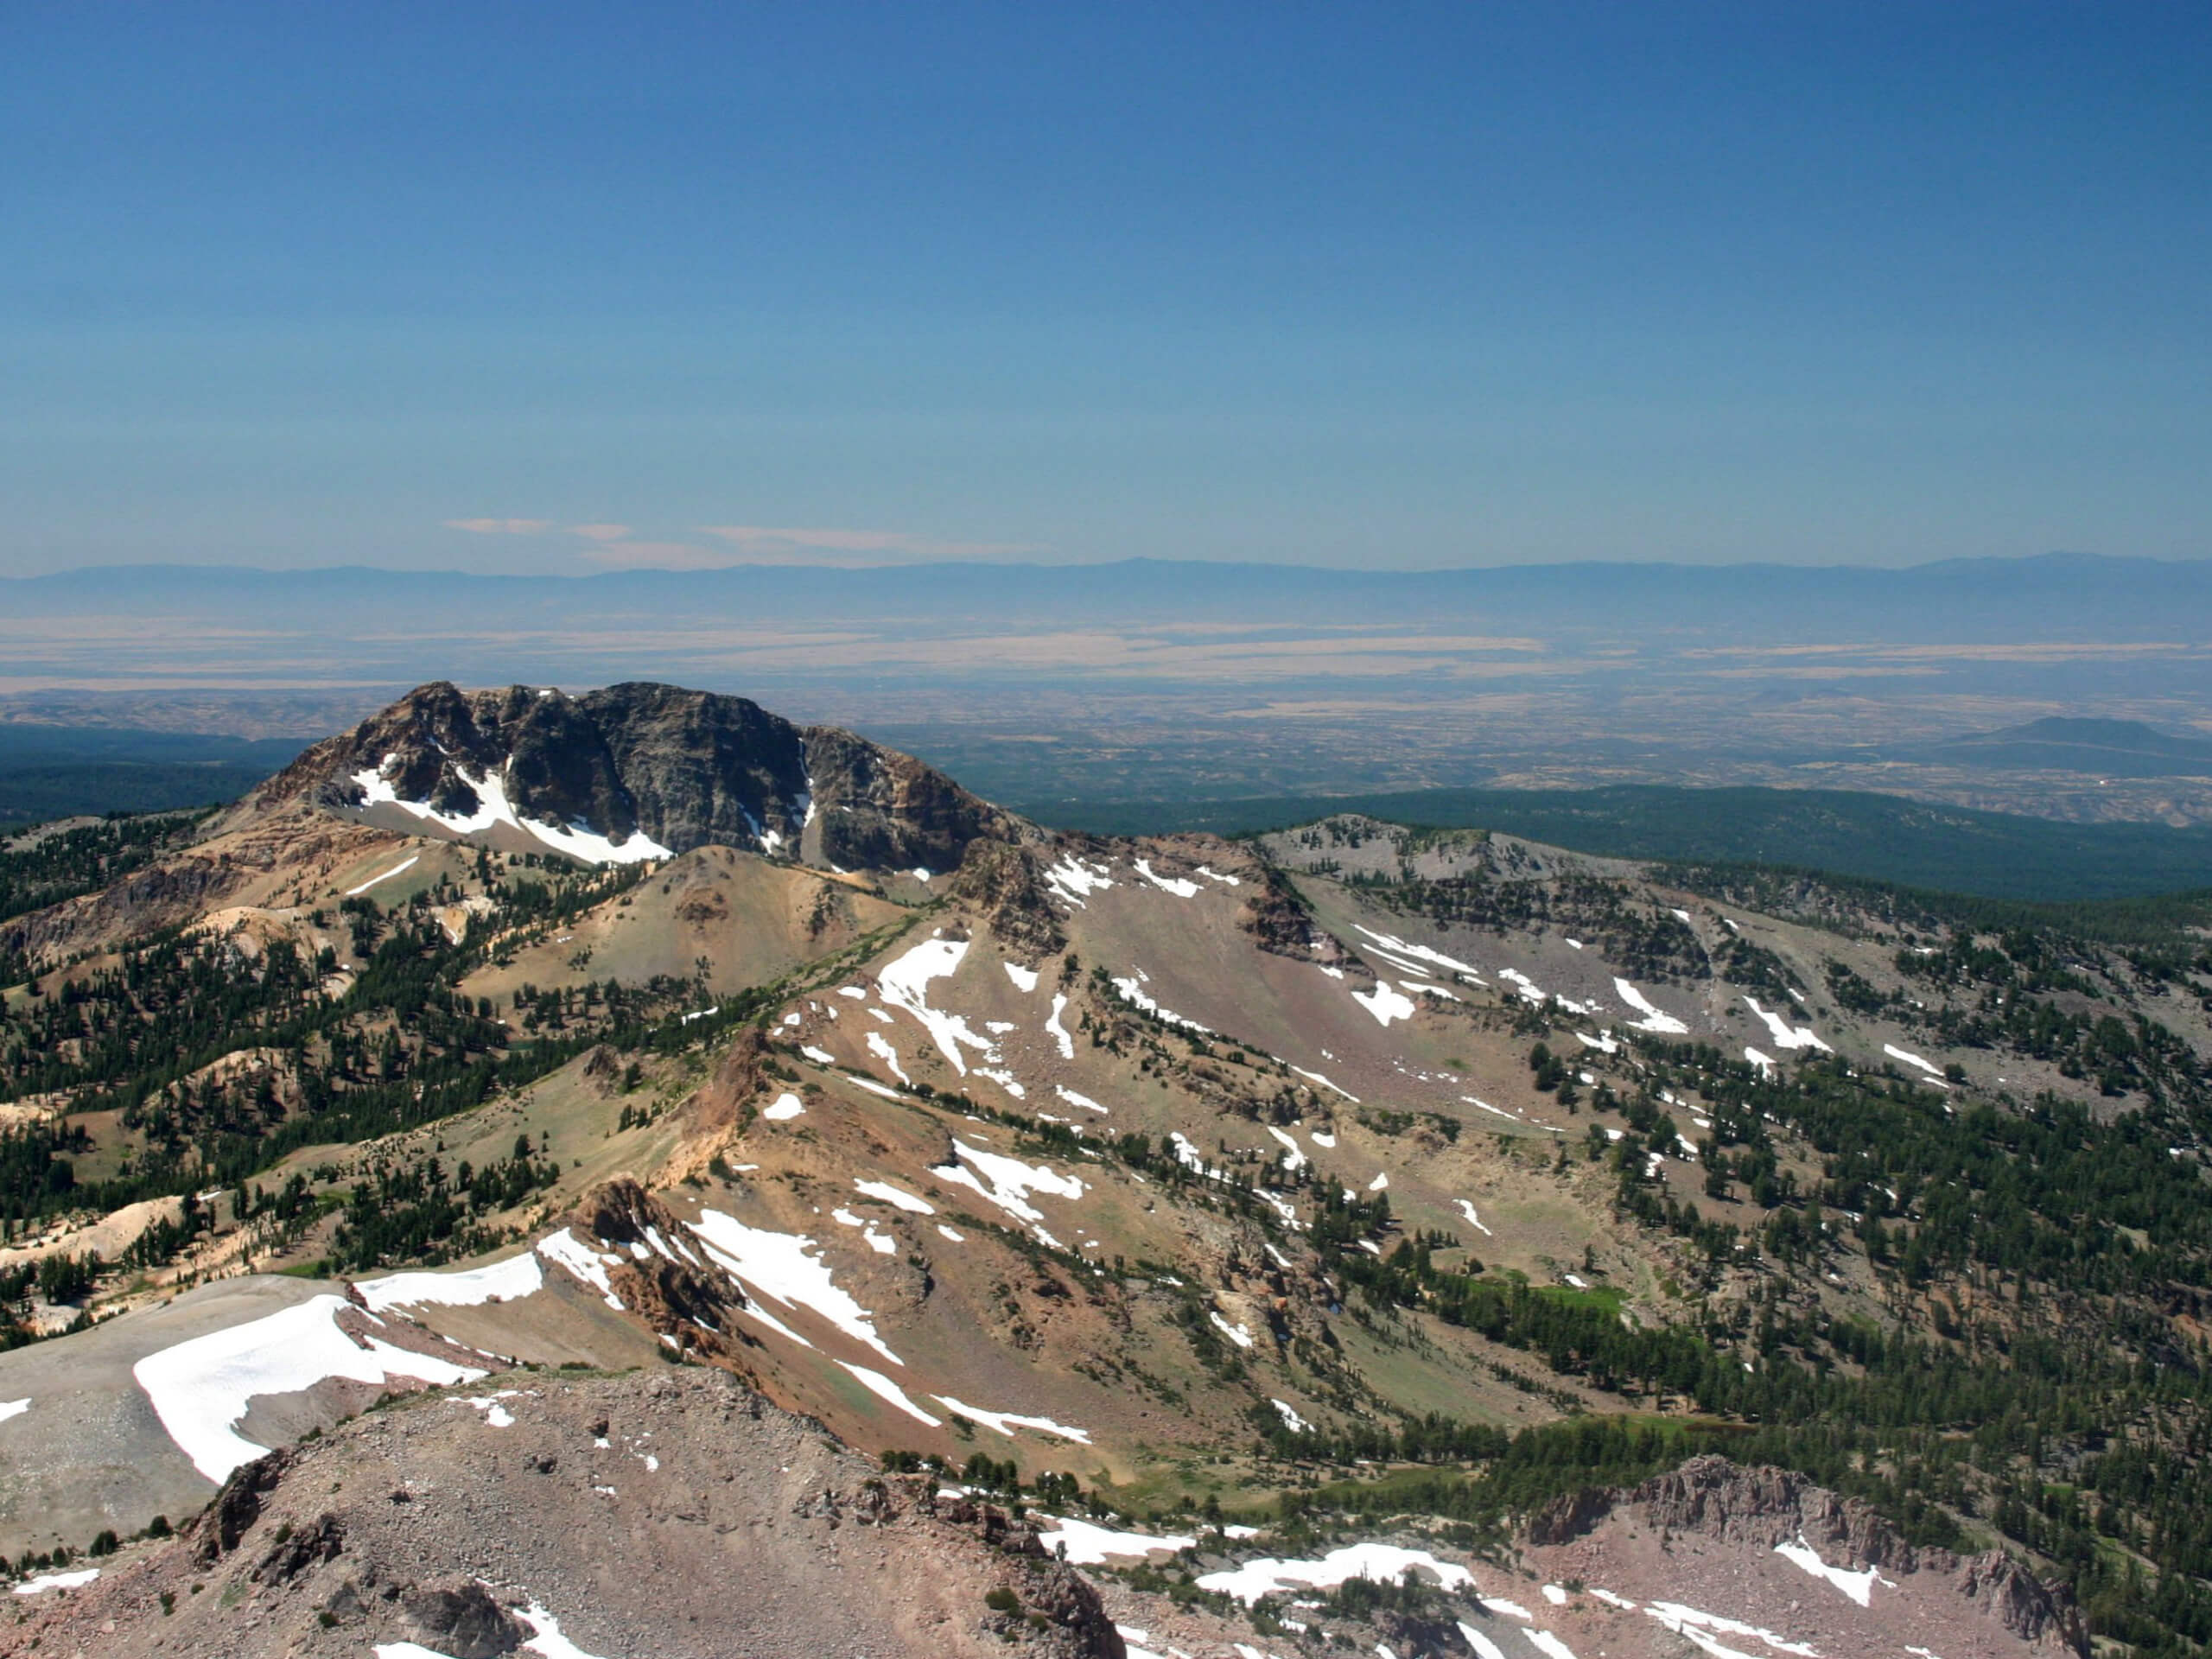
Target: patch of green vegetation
1604	1300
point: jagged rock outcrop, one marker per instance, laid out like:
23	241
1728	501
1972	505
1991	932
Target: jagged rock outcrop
665	1282
1281	921
2021	1602
680	768
1763	1507
1006	884
215	1531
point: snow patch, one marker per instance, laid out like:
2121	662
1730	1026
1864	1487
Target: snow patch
893	1196
1910	1059
1176	885
1005	1422
1088	1544
1059	1032
787	1106
1073	881
1655	1019
510	1280
905	984
1689	1622
1315	1077
1385	1563
1385	1003
1132	990
580	1259
884	1388
1786	1036
1418	953
545	1635
579	841
880	1046
1010	1181
1025	979
396	869
1860	1587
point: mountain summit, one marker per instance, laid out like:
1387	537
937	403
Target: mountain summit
639	771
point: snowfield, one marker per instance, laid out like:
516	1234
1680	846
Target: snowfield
200	1388
782	1266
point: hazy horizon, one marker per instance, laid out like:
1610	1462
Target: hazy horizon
1450	288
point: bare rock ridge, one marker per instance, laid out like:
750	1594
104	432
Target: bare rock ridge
671	1513
1764	1507
681	768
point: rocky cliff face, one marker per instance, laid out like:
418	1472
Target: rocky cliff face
642	770
1765	1508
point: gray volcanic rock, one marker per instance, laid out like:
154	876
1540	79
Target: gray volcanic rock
681	768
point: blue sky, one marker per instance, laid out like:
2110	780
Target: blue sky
1395	286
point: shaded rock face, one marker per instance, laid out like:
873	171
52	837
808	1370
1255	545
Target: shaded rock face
461	1620
217	1529
683	768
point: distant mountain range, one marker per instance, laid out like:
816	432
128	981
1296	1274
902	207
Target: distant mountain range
2117	748
2054	596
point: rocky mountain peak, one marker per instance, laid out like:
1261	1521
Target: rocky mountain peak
639	770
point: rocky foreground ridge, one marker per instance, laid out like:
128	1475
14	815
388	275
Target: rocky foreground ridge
670	1513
